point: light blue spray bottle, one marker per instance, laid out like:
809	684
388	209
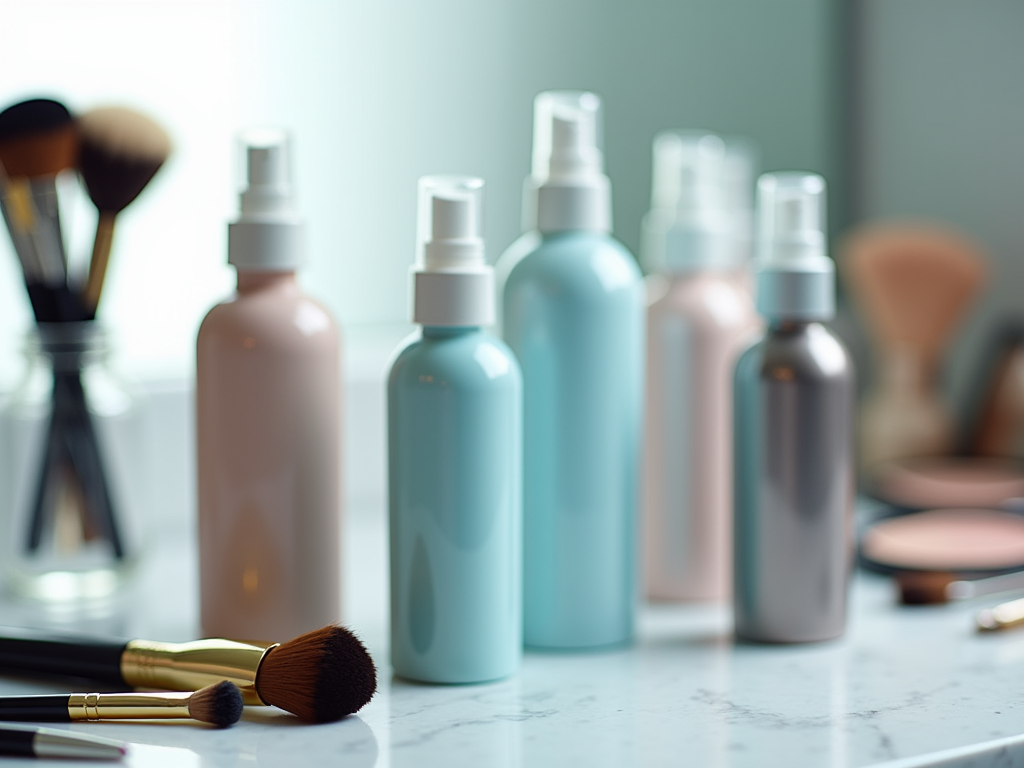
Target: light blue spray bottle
454	459
573	312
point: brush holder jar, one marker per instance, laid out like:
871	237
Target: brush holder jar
73	450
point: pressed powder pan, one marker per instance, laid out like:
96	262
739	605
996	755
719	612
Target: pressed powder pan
930	483
970	541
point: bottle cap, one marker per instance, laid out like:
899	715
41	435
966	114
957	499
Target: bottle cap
452	284
741	163
689	225
568	189
795	277
269	235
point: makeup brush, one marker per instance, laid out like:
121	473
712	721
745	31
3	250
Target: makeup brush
121	150
935	588
1003	616
18	741
38	140
320	676
219	704
913	284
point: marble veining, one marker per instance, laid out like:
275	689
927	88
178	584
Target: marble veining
901	684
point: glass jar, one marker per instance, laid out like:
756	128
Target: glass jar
73	457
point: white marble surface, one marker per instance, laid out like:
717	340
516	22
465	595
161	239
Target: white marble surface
902	683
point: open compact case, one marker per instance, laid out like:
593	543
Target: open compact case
947	519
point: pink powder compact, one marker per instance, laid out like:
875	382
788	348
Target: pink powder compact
960	540
928	483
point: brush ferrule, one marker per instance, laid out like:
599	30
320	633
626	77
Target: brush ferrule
194	665
127	706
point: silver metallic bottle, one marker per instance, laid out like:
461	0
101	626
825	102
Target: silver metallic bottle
793	432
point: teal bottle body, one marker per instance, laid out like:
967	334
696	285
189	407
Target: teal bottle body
455	478
573	312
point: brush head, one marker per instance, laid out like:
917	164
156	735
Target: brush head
121	150
913	282
320	676
219	704
37	138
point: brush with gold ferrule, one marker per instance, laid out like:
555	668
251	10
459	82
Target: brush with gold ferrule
320	676
219	704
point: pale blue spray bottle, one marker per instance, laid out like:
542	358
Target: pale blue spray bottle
454	459
573	312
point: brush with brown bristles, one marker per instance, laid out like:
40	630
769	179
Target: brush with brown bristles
320	676
913	284
218	704
38	140
120	151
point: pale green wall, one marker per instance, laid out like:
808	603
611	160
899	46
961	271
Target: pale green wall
381	92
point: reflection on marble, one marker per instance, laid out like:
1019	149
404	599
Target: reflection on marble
902	683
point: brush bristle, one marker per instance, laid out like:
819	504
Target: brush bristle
31	117
320	676
219	704
37	138
120	151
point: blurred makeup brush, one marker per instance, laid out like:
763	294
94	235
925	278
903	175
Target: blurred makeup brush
121	150
38	140
20	741
1003	616
935	588
320	676
913	284
219	704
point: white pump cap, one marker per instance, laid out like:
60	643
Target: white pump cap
795	278
452	284
689	225
568	189
269	235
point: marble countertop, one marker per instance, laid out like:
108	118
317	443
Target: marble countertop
902	683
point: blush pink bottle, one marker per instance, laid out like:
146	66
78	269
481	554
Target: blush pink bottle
268	394
700	315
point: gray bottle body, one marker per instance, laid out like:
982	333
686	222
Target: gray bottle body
793	485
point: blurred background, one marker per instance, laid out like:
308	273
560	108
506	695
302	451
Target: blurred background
909	108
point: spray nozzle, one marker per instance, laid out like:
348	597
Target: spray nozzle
565	135
450	223
791	216
267	194
689	173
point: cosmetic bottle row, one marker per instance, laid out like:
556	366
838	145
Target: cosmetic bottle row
520	465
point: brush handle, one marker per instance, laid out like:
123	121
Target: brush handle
98	265
25	651
51	708
17	743
88	460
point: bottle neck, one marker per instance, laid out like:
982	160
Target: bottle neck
786	327
250	281
448	331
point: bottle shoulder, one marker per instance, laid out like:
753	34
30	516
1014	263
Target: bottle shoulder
715	301
272	319
569	261
813	353
473	360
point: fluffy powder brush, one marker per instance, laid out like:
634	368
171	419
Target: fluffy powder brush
120	151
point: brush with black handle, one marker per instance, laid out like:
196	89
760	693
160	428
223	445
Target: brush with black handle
21	741
320	676
218	704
